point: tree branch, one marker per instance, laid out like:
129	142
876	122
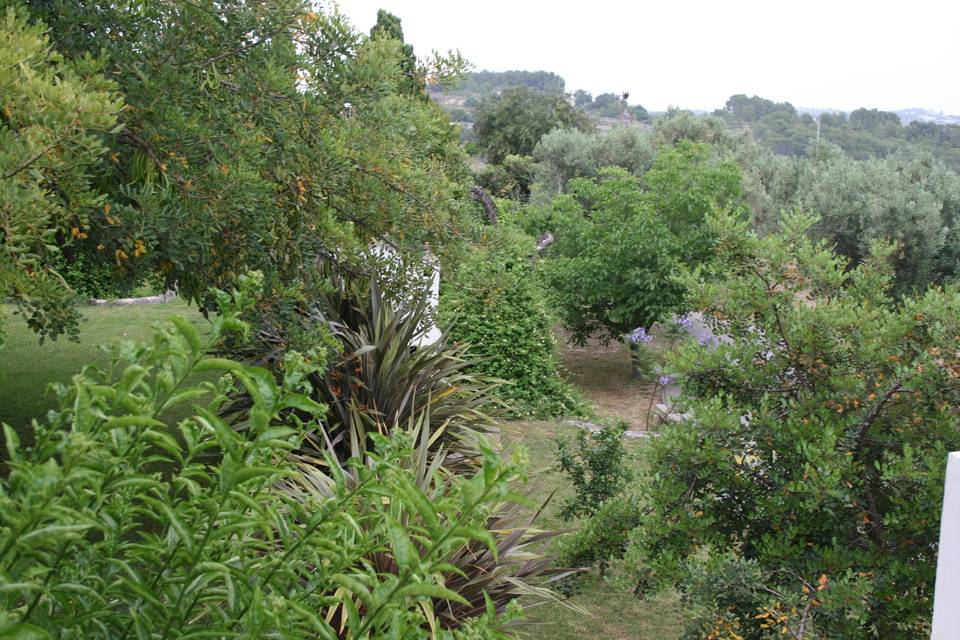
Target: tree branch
39	155
874	411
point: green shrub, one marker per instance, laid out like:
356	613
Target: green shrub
492	303
90	277
120	522
510	179
482	579
603	536
597	468
611	267
814	455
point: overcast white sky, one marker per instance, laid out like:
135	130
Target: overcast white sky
840	54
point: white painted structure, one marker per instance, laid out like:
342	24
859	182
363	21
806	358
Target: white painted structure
393	264
946	599
432	333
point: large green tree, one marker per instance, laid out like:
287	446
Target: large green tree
620	240
801	496
388	27
910	200
512	122
237	149
609	269
564	154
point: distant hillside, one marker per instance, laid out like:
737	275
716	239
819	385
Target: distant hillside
906	115
482	83
787	130
862	133
461	100
925	115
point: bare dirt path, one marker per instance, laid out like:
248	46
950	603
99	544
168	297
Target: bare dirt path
603	373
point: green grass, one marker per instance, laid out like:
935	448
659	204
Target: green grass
27	368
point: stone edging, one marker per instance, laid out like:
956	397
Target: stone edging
594	428
159	299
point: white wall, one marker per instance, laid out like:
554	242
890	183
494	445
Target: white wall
946	601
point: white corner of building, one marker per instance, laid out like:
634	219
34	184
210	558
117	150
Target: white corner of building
946	599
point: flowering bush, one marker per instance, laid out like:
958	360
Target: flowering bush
643	358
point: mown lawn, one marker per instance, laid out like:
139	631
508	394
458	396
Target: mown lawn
26	367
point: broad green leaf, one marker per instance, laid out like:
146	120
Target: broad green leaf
23	631
189	332
404	552
432	591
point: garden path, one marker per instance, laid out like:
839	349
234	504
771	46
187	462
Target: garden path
603	373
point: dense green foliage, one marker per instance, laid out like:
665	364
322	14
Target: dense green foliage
685	184
603	538
512	122
237	150
388	28
863	134
620	240
913	201
335	480
805	488
609	105
606	509
597	469
56	115
492	303
512	178
118	522
611	267
483	83
564	154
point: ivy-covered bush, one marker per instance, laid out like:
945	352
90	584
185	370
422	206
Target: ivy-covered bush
802	496
493	303
122	521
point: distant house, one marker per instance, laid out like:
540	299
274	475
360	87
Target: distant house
445	100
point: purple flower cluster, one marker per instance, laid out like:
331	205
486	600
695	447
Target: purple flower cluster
664	380
640	335
683	321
